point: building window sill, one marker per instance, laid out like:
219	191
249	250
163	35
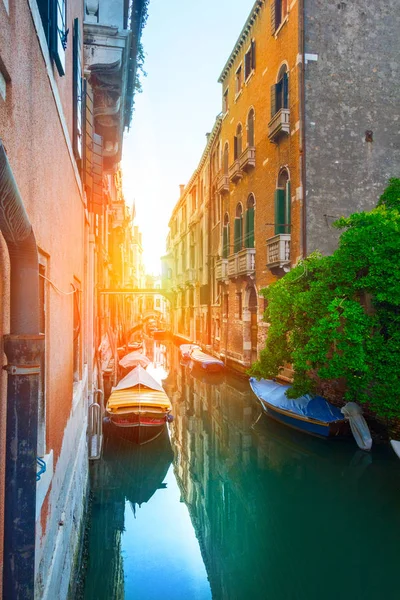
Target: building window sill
237	96
249	77
285	20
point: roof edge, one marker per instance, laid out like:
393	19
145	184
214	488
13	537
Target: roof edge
241	39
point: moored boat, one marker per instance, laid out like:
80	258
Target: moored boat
138	406
185	350
313	415
133	359
199	359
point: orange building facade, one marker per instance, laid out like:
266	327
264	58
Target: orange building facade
300	141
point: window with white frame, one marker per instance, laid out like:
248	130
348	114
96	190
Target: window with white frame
225	101
238	80
250	60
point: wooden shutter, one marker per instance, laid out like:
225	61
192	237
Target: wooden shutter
250	129
45	14
77	92
285	91
279	211
88	145
288	203
235	148
237	245
97	170
59	34
250	227
273	16
253	54
273	100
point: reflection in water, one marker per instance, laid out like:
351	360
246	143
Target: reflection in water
280	514
127	474
277	514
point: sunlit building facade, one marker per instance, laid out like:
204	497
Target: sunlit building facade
66	91
301	141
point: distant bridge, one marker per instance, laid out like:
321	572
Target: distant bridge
138	292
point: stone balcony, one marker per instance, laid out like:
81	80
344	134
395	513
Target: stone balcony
221	269
235	172
278	250
279	124
223	184
242	263
247	159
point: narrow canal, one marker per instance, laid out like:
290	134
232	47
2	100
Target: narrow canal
231	508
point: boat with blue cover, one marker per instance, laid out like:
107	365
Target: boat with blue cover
311	414
201	360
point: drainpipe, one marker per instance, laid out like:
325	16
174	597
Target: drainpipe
303	127
24	348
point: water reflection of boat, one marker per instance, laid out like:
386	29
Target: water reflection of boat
126	473
139	471
314	415
138	407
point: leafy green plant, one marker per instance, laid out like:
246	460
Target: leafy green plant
336	319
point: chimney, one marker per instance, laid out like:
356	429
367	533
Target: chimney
208	136
181	188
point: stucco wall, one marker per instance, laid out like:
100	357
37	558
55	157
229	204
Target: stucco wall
36	127
352	75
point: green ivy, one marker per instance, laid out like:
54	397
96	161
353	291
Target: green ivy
337	318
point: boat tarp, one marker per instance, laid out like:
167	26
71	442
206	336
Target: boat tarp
187	348
133	359
205	359
311	407
138	376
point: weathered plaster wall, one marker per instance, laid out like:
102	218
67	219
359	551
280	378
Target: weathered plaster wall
36	126
352	75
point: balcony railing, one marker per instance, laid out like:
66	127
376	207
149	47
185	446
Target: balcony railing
235	172
247	160
278	250
223	184
242	263
280	123
221	271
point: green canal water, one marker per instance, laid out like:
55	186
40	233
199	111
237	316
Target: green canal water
229	507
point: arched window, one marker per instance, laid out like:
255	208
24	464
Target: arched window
250	128
283	203
238	235
249	237
226	159
280	92
237	149
225	237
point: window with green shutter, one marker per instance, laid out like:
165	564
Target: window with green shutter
283	204
279	211
225	241
249	227
53	14
238	241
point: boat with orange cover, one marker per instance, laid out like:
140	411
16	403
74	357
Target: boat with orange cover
138	407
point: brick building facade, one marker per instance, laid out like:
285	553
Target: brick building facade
300	141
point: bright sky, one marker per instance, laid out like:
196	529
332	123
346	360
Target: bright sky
187	44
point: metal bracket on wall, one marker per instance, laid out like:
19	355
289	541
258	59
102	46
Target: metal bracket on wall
22	369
